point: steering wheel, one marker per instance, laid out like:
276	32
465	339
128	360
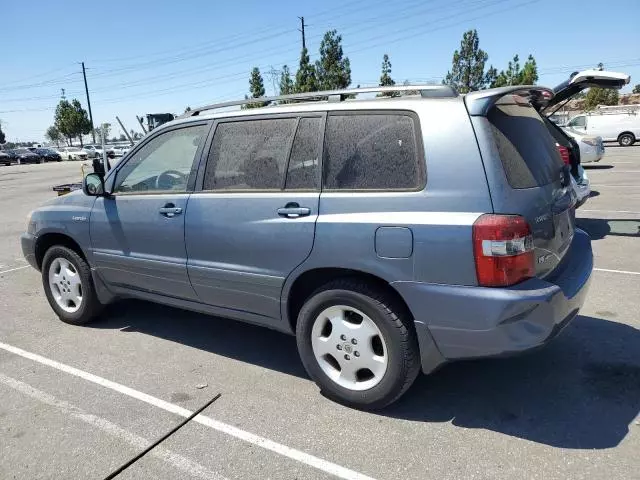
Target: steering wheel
167	180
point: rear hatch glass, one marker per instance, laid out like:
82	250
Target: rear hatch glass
528	156
540	187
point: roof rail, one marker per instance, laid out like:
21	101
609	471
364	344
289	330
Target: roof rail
426	91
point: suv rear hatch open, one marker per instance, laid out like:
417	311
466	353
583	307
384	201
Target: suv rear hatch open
525	172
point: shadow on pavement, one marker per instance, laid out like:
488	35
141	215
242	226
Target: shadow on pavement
240	341
594	193
582	391
590	166
598	228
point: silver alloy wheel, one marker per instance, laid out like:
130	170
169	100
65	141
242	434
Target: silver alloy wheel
349	347
65	285
625	140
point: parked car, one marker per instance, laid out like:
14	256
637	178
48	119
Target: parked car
5	158
24	155
571	146
73	153
48	154
317	219
591	148
612	126
94	151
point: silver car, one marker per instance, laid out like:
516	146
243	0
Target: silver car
390	235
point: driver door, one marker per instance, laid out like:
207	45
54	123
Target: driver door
137	235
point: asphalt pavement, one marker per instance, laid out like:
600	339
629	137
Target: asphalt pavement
78	402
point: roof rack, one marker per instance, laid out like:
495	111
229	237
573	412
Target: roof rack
426	91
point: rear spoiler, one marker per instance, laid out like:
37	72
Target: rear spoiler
479	103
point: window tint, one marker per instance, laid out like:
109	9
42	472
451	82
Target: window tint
248	155
163	164
305	155
372	152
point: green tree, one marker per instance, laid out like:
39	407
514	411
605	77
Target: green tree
467	67
306	80
63	120
286	85
256	87
3	137
333	69
188	109
514	75
529	72
636	89
385	77
122	138
600	96
81	121
53	135
72	120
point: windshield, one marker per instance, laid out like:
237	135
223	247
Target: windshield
73	149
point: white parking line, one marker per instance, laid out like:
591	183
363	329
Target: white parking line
176	460
609	211
616	186
292	453
14	269
626	272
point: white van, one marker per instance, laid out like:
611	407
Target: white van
621	127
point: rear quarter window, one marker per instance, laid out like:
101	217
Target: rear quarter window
527	150
373	151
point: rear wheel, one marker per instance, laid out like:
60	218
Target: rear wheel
357	344
67	282
626	139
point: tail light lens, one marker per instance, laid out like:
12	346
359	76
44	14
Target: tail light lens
564	153
503	250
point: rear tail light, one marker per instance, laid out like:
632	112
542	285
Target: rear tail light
564	153
503	250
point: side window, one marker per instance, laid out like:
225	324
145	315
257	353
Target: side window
372	152
249	155
580	121
305	155
163	164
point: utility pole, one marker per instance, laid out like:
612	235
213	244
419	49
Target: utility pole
86	89
302	24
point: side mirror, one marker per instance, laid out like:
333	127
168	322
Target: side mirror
93	185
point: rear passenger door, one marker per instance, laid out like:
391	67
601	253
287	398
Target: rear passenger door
251	220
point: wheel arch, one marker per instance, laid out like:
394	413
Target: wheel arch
298	289
627	132
47	240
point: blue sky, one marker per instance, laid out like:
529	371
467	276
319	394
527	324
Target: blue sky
149	57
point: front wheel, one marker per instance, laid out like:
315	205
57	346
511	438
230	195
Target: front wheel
358	344
626	139
68	285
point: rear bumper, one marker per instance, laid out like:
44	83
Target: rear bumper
28	243
470	322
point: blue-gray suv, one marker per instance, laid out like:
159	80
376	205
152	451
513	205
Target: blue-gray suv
389	234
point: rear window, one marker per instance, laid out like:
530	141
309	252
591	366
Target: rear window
527	149
372	151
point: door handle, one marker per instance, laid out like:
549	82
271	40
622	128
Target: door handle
170	210
293	210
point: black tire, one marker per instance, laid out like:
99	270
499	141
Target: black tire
393	321
90	307
626	139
